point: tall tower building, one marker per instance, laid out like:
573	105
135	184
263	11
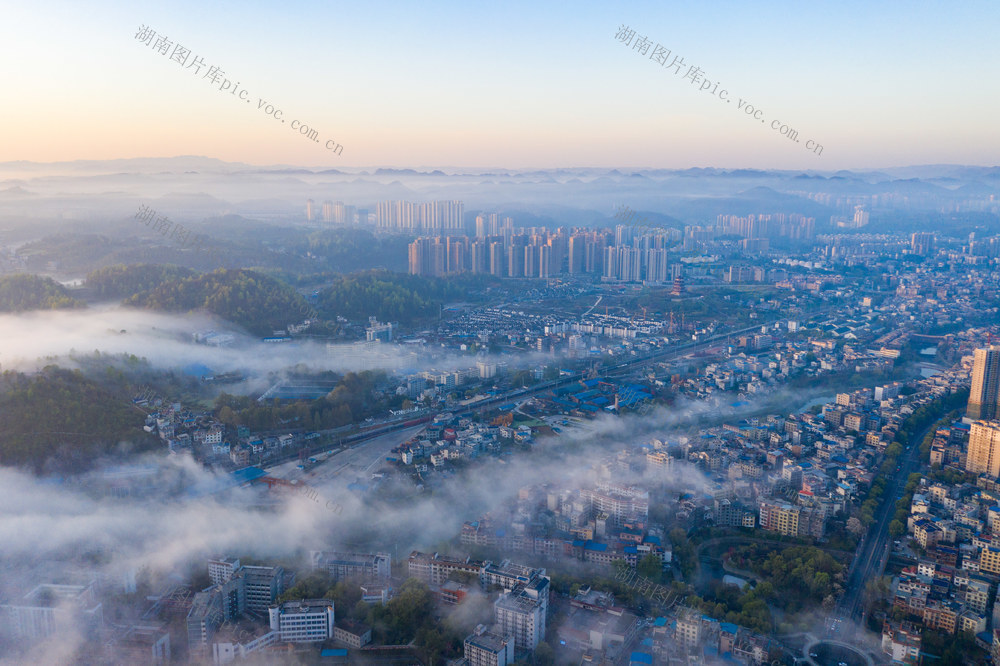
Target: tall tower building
310	204
922	243
984	397
984	449
497	259
577	253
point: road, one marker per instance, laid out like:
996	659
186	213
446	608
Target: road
405	423
874	549
358	461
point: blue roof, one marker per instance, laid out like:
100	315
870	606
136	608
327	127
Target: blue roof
660	622
248	474
591	383
640	658
231	480
654	540
593	545
333	652
729	627
630	549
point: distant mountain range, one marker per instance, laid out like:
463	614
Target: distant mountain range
193	187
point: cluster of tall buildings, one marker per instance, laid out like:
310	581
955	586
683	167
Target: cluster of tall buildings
430	217
236	589
625	254
773	225
983	409
336	212
520	612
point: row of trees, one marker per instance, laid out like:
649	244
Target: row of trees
920	419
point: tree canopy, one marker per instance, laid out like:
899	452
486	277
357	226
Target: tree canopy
22	292
258	303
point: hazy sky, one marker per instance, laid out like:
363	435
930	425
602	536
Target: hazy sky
510	84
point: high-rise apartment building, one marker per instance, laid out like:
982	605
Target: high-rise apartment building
263	586
922	242
433	216
984	396
486	648
522	613
984	449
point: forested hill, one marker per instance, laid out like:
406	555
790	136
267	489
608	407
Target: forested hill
59	420
397	297
122	281
256	302
19	293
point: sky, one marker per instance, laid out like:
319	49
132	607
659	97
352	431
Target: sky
512	84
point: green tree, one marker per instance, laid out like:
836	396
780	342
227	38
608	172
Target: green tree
650	567
544	655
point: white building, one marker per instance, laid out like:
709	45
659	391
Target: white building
353	565
221	569
485	648
306	621
52	609
522	613
224	652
